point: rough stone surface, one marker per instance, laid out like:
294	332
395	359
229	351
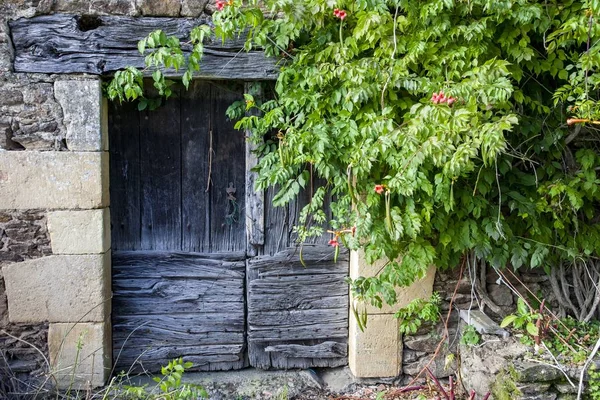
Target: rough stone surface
59	289
486	362
80	232
533	372
88	367
167	8
20	361
192	8
54	180
376	351
23	236
81	102
30	117
113	7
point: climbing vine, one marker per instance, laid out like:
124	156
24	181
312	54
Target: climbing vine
441	127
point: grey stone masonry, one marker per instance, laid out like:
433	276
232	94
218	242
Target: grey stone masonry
81	103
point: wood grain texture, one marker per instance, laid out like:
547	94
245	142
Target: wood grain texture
124	137
294	309
100	45
160	144
167	305
255	199
195	153
228	172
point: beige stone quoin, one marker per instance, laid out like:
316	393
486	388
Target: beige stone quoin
376	352
80	232
53	180
59	288
80	353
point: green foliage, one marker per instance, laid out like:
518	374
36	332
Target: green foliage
497	172
525	318
417	312
594	382
169	386
470	336
573	339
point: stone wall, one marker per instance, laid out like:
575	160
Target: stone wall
480	366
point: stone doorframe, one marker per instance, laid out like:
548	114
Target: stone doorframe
71	289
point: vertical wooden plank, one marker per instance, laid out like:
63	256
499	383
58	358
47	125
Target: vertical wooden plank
279	224
124	137
255	199
228	174
195	148
161	176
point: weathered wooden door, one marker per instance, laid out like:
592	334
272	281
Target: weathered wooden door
183	282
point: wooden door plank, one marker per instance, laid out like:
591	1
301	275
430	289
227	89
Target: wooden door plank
167	305
296	310
228	172
124	138
255	199
195	149
161	176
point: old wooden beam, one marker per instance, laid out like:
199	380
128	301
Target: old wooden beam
101	45
255	199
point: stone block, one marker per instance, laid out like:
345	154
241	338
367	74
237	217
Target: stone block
159	8
59	288
53	180
375	352
192	8
404	295
482	323
82	106
79	232
80	354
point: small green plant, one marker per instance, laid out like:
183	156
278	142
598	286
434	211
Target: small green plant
418	311
169	385
524	318
594	382
470	336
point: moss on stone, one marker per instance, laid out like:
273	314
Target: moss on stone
505	386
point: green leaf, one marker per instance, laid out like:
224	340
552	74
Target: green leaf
509	319
532	329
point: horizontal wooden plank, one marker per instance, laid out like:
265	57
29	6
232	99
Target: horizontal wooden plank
137	264
296	317
178	288
153	358
63	43
329	330
328	349
313	256
158	336
151	306
297	297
